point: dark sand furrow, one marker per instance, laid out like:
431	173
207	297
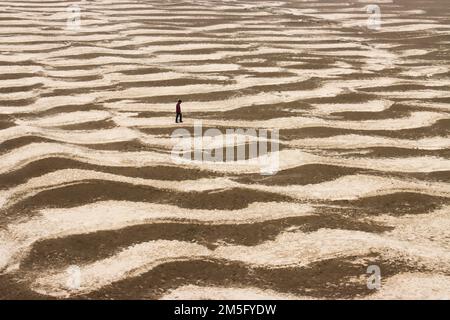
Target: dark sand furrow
405	87
347	97
79	79
312	65
440	128
15	76
16	287
79	91
394	112
17	102
396	204
94	55
6	125
66	108
388	152
52	164
240	151
438	56
301	175
122	146
86	192
324	279
69	67
259	112
317	173
153	114
427	40
12	144
201	51
143	70
87	248
91	125
228	93
170	83
168	131
20	63
441	100
268	74
127	146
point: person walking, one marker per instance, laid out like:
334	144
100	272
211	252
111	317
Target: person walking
178	110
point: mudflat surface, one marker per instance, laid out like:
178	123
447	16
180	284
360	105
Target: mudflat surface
92	204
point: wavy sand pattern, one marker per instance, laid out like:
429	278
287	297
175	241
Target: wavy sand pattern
87	183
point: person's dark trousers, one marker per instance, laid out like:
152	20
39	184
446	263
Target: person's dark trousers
179	115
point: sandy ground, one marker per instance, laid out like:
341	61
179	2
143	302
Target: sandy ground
92	204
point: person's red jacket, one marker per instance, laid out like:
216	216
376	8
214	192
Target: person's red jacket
178	107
